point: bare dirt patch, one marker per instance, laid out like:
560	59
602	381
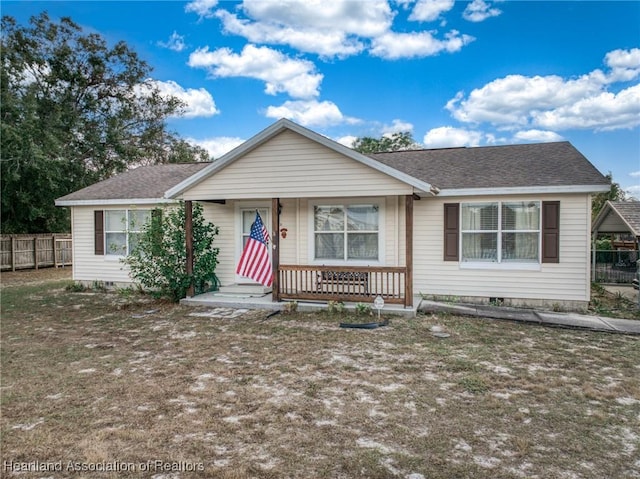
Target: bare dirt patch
34	276
622	303
88	380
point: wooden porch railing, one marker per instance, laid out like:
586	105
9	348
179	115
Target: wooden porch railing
343	283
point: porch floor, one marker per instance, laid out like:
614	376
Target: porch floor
239	301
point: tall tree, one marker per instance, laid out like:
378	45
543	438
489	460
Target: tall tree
73	111
615	193
395	142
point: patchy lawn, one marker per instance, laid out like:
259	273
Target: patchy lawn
99	381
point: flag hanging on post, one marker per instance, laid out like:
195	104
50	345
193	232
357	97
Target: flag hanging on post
254	261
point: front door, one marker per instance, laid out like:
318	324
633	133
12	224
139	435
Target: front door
246	218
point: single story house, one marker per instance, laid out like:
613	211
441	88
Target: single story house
499	223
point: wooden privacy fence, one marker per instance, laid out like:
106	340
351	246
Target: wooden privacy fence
35	251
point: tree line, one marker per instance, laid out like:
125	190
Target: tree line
73	111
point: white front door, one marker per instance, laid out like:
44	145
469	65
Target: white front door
246	218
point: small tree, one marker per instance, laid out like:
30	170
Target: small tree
399	141
159	261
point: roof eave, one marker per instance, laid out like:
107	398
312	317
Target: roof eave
115	202
524	190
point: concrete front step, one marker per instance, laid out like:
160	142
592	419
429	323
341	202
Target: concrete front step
245	290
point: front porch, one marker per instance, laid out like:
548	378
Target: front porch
297	280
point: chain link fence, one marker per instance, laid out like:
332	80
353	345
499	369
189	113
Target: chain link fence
615	266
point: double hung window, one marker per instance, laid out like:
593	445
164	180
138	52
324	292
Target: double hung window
346	232
501	232
122	230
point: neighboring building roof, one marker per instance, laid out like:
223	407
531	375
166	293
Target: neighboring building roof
626	218
539	166
145	184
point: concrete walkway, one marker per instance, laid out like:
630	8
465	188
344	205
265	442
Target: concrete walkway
264	301
547	318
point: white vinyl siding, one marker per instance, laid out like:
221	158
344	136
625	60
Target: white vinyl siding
567	280
87	266
292	166
223	216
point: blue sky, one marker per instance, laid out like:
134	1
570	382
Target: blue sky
452	73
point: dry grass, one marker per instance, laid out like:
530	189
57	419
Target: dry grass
97	378
613	305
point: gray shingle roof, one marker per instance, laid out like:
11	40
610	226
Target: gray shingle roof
145	182
536	164
629	211
510	166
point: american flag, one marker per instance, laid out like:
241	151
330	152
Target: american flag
254	261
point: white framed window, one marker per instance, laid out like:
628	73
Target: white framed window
346	232
501	232
122	229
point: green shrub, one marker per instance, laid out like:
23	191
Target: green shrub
363	309
159	262
76	287
335	307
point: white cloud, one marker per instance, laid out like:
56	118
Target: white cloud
393	46
397	126
624	64
448	137
633	191
326	43
203	8
554	103
635	173
281	74
314	26
217	146
537	136
198	102
365	19
175	42
340	28
310	113
605	111
430	10
347	140
479	11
